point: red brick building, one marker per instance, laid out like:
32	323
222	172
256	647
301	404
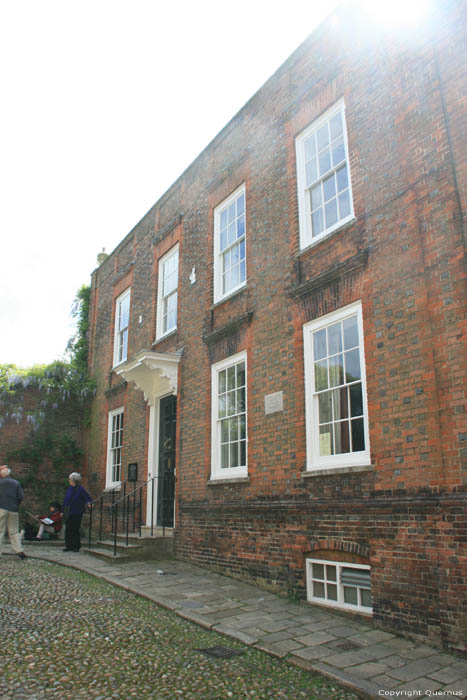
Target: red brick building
283	331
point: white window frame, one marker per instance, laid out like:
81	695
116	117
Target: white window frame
161	298
121	334
347	459
110	482
339	586
304	193
217	472
219	294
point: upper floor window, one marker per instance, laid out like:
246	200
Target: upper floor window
335	390
167	293
122	321
323	176
229	418
229	245
114	448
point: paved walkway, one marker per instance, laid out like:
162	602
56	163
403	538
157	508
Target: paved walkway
374	663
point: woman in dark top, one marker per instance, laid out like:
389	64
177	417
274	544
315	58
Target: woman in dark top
74	504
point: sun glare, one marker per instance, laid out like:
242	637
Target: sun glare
401	13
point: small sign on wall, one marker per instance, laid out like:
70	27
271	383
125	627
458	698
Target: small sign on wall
273	403
133	471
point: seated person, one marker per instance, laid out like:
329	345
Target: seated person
50	523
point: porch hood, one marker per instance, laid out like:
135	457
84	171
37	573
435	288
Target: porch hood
155	373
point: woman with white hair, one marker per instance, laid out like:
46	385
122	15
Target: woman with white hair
74	504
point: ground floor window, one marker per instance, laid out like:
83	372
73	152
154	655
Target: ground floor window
114	448
339	584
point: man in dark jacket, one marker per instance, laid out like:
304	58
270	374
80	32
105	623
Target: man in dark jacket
11	495
74	504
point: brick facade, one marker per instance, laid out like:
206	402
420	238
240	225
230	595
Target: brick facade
401	256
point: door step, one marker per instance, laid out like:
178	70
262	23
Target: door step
138	548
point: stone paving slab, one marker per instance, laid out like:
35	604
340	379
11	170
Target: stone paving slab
354	653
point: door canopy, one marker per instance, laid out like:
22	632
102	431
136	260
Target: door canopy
153	372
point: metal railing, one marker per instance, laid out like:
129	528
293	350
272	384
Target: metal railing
125	514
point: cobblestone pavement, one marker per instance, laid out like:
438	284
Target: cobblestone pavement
356	654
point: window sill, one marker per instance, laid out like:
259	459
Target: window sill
329	471
109	489
233	480
229	296
164	337
350	610
326	236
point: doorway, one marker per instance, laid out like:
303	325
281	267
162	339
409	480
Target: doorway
166	461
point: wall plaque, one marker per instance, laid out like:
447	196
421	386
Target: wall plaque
133	471
274	402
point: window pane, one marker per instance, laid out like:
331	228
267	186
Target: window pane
358	436
350	326
241	374
335	338
231	213
316	198
330	212
336	370
311	172
224	456
240	204
322	137
242	427
344	204
317	222
221	406
231	378
365	597
342	440
352	365
338	151
326	444
318	589
310	148
356	400
231	403
324	161
240	227
231	234
329	188
331	573
325	408
241	400
224	431
124	312
335	125
234	454
319	344
224	219
222	381
242	453
321	375
318	571
342	179
332	591
340	403
350	595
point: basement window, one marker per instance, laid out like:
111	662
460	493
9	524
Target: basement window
339	584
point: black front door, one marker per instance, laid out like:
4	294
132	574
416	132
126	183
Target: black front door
166	480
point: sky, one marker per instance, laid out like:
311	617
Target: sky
104	104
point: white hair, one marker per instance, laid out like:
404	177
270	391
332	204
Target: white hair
75	476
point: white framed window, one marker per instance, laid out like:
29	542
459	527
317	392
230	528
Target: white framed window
114	448
122	321
339	584
335	390
229	418
167	293
230	245
323	176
